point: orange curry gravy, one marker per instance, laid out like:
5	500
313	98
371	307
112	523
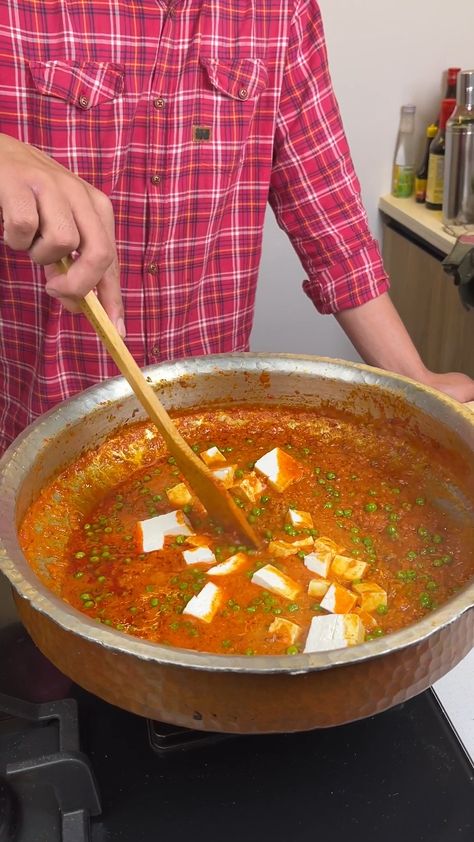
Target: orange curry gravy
369	487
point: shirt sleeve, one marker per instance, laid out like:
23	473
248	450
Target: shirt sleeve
314	190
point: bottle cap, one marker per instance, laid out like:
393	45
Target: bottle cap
465	88
408	109
432	130
447	108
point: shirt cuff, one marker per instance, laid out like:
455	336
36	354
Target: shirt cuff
348	283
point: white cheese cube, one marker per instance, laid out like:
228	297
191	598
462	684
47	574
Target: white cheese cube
272	579
348	568
225	475
205	604
283	549
286	629
279	468
318	563
199	555
371	595
153	531
179	495
230	565
302	519
318	587
334	631
212	456
338	600
252	487
327	545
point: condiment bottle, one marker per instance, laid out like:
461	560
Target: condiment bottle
421	178
403	172
458	197
435	185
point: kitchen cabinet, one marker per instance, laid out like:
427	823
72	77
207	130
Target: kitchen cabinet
428	301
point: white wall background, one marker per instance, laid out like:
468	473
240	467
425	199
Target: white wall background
383	53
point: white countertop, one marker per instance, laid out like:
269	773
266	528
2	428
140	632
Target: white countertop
425	223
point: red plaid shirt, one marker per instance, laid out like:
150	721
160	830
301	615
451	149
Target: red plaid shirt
190	115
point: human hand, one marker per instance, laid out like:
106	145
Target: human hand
50	212
453	384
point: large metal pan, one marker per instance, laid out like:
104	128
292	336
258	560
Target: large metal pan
219	692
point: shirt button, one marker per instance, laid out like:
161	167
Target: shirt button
153	268
159	102
83	101
155	179
243	93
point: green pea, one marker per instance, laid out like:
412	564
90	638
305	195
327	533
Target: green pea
395	491
394	517
133	609
347	512
300	554
150	588
101	579
425	600
195	447
437	539
371	507
265	499
239	473
94	559
180	539
85	596
392	531
226	644
89	603
171	460
422	532
292	650
87	526
289	529
432	585
420	501
154	602
381	609
292	607
330	475
268	535
251	518
249	652
339	513
411	555
314	533
251	608
78	574
256	511
328	506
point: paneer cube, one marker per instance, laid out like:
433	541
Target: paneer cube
302	519
371	595
205	604
369	622
151	533
230	565
348	568
327	545
273	580
334	631
279	468
198	540
319	562
199	555
179	495
252	487
225	475
285	629
283	549
212	456
338	600
318	587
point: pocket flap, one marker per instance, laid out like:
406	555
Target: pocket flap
84	84
243	78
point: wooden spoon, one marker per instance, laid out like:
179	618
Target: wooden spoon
210	491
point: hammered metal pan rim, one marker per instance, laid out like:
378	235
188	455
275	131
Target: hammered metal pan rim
30	588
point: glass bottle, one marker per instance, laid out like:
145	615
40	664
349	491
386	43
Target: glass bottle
435	185
421	178
403	172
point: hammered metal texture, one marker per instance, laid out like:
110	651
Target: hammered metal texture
220	693
250	703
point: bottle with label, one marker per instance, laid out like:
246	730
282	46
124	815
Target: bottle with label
435	185
458	199
403	173
421	178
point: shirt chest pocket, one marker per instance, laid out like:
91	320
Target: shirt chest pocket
77	113
224	110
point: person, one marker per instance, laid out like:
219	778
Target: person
150	136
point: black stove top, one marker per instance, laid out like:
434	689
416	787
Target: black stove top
402	775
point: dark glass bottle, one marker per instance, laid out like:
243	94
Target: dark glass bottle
421	178
435	185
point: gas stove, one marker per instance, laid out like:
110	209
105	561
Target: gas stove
80	770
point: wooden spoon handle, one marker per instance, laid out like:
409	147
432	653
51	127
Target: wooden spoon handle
215	498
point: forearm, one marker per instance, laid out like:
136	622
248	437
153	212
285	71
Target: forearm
379	335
